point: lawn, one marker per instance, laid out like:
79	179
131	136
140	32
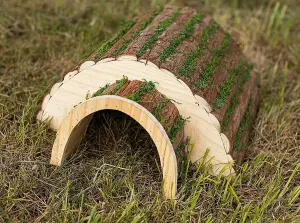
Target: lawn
115	175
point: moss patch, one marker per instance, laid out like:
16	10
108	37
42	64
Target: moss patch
213	63
189	64
120	84
157	112
100	91
147	87
234	101
176	127
184	34
162	26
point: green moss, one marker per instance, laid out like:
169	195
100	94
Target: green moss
176	127
234	102
147	87
120	83
157	112
213	63
247	73
100	91
134	36
242	127
181	155
184	34
106	46
228	113
158	31
225	88
189	64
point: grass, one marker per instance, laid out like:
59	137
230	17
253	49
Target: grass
115	175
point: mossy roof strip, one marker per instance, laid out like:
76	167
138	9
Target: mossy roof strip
189	64
247	73
100	91
119	84
147	87
225	88
157	112
162	26
185	33
234	101
213	63
228	113
106	46
242	127
134	36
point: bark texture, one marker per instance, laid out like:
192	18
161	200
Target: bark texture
199	52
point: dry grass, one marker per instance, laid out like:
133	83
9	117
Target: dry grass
115	177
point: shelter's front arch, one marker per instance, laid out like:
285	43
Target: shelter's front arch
74	125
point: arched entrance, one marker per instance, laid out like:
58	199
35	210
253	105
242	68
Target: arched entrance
74	125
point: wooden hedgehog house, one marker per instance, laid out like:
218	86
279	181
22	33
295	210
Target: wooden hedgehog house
179	75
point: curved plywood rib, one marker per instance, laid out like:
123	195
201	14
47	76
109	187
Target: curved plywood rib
74	125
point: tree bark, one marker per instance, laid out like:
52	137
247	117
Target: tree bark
202	55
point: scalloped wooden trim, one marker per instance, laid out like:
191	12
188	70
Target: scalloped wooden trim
86	65
74	125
